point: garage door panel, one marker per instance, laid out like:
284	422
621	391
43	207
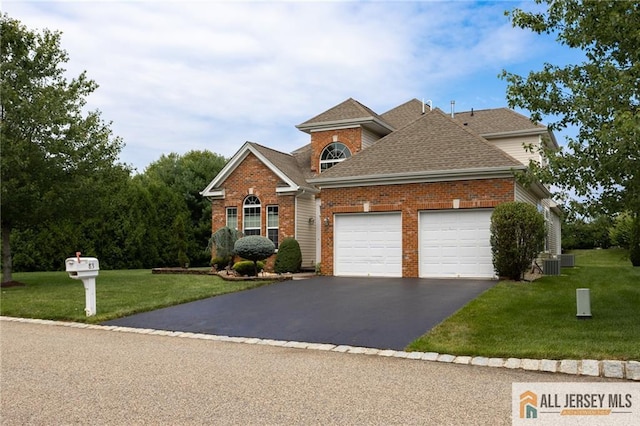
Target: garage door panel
368	245
456	244
377	253
445	253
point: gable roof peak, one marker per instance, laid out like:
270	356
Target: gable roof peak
406	113
283	165
346	113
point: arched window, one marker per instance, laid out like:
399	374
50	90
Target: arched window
333	153
251	216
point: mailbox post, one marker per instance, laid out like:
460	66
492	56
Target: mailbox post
85	269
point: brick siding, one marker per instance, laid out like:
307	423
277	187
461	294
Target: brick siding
253	177
352	138
409	199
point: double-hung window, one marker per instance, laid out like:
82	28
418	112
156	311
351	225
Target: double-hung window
232	217
251	215
272	224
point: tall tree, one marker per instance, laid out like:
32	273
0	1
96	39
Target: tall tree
52	151
600	96
186	175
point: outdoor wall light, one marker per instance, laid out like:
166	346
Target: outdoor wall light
326	221
311	221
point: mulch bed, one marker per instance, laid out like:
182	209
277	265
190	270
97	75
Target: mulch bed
231	277
184	271
221	274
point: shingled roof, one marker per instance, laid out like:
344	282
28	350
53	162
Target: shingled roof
483	122
430	144
286	166
347	110
303	159
418	142
498	120
404	114
348	113
286	163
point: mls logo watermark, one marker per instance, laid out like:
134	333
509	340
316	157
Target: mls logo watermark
571	403
528	405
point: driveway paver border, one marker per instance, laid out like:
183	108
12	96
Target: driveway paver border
629	370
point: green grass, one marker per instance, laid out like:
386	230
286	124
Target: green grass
538	320
53	295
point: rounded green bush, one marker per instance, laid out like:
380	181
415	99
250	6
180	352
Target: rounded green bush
289	257
517	237
254	247
247	267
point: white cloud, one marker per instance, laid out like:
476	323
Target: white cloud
176	76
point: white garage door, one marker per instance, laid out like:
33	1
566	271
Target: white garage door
368	244
456	244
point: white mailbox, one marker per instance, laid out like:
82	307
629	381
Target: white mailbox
85	269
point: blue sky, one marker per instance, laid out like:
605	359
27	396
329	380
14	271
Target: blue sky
176	76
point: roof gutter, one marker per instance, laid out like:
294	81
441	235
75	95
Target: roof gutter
555	208
540	190
298	190
217	194
416	177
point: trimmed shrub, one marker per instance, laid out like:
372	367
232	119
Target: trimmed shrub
289	257
254	248
517	237
221	263
247	267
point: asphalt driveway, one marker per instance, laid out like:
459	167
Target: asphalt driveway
383	313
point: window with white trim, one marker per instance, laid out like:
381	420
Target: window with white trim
232	217
333	154
251	215
273	224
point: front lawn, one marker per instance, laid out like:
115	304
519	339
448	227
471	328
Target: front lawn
538	320
53	295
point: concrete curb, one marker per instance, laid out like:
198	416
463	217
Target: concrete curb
629	370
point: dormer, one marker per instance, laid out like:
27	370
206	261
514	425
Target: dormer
341	132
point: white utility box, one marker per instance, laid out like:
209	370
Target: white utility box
583	303
85	269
